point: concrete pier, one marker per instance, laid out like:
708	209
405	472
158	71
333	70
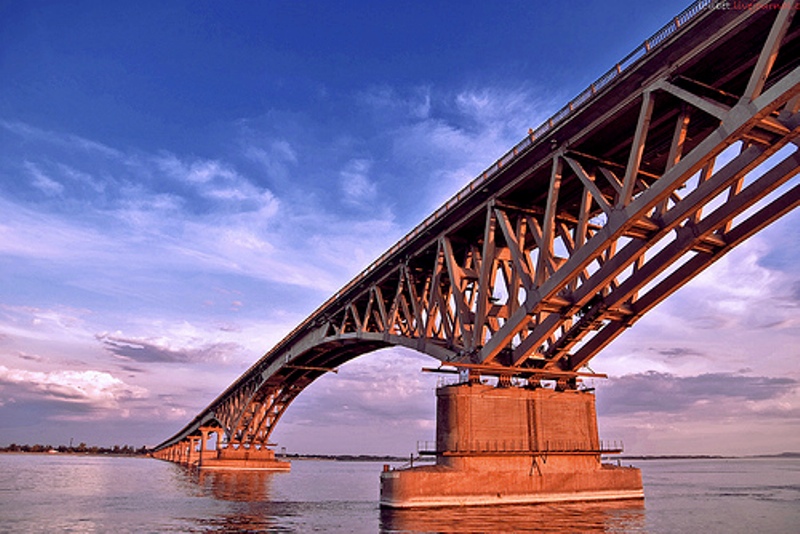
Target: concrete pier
245	459
194	451
511	445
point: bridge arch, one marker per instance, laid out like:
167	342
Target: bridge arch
246	417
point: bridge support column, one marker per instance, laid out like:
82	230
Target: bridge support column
245	459
205	453
183	452
193	456
241	457
505	445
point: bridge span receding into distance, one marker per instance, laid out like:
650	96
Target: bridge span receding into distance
676	155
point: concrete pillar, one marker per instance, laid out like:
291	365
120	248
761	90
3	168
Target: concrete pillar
479	418
193	454
194	451
511	445
204	432
187	450
183	452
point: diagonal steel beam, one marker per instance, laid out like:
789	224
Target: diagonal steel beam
741	117
709	106
769	52
588	183
686	272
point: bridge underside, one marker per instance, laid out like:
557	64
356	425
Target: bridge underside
675	156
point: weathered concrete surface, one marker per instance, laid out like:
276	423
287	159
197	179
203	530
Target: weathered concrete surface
441	486
194	451
474	418
512	445
245	459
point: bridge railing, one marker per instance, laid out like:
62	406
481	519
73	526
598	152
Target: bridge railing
534	135
522	445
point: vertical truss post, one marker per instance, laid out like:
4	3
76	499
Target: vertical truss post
637	149
582	228
457	288
676	148
520	275
548	232
485	286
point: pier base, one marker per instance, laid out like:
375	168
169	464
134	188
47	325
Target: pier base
245	459
511	445
200	452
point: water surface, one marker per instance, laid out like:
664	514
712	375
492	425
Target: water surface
71	493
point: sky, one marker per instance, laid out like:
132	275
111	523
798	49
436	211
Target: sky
183	182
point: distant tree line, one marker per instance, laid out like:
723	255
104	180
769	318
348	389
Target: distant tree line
347	457
82	448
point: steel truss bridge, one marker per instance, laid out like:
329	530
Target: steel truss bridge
676	155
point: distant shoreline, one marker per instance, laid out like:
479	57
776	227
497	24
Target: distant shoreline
59	453
707	456
344	457
391	458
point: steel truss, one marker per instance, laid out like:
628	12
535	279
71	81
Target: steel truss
576	237
549	283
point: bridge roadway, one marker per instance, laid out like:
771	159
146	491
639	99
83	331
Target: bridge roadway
673	157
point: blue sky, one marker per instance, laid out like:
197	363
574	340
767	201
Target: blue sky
181	183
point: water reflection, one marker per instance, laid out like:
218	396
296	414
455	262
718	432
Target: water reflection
320	497
243	501
238	486
49	494
616	516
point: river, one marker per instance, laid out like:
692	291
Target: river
72	493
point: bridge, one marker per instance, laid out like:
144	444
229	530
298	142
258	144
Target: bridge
676	155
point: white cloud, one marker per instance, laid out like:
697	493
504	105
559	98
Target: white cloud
391	104
82	178
69	141
34	234
163	350
42	182
218	181
196	172
277	157
112	240
97	388
35	323
358	189
460	136
706	423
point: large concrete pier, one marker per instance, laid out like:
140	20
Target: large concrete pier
507	445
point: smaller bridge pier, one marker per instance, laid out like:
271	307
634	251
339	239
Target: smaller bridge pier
512	445
195	451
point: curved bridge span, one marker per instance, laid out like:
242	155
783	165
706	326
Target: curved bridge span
676	155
